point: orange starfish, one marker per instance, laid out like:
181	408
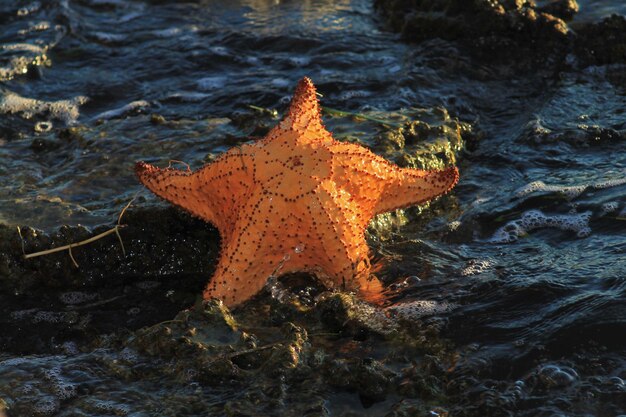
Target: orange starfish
297	200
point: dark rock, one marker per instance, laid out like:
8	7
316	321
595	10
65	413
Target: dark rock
168	261
494	30
602	43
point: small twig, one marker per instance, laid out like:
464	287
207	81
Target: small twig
19	232
69	247
69	250
72	245
119	220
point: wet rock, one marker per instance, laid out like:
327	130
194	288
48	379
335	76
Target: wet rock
583	135
423	380
602	43
162	245
368	377
496	30
207	335
425	139
346	314
291	353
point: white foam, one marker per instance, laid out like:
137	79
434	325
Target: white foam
475	267
46	406
419	308
609	207
55	317
110	407
569	191
375	318
610	183
25	47
22	314
129	355
37	27
76	297
64	110
535	219
63	390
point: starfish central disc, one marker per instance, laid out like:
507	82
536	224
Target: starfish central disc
297	200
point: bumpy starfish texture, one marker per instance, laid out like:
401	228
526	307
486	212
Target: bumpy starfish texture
297	200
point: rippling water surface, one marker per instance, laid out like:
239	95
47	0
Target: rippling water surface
532	257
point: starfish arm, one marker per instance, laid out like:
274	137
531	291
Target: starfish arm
342	233
415	186
234	286
214	193
381	186
302	123
245	262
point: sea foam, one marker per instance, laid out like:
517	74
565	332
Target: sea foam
535	219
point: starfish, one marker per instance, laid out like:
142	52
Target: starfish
295	201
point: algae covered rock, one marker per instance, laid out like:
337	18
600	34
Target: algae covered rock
344	313
424	138
421	138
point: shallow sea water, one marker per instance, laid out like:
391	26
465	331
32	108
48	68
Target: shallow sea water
526	275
